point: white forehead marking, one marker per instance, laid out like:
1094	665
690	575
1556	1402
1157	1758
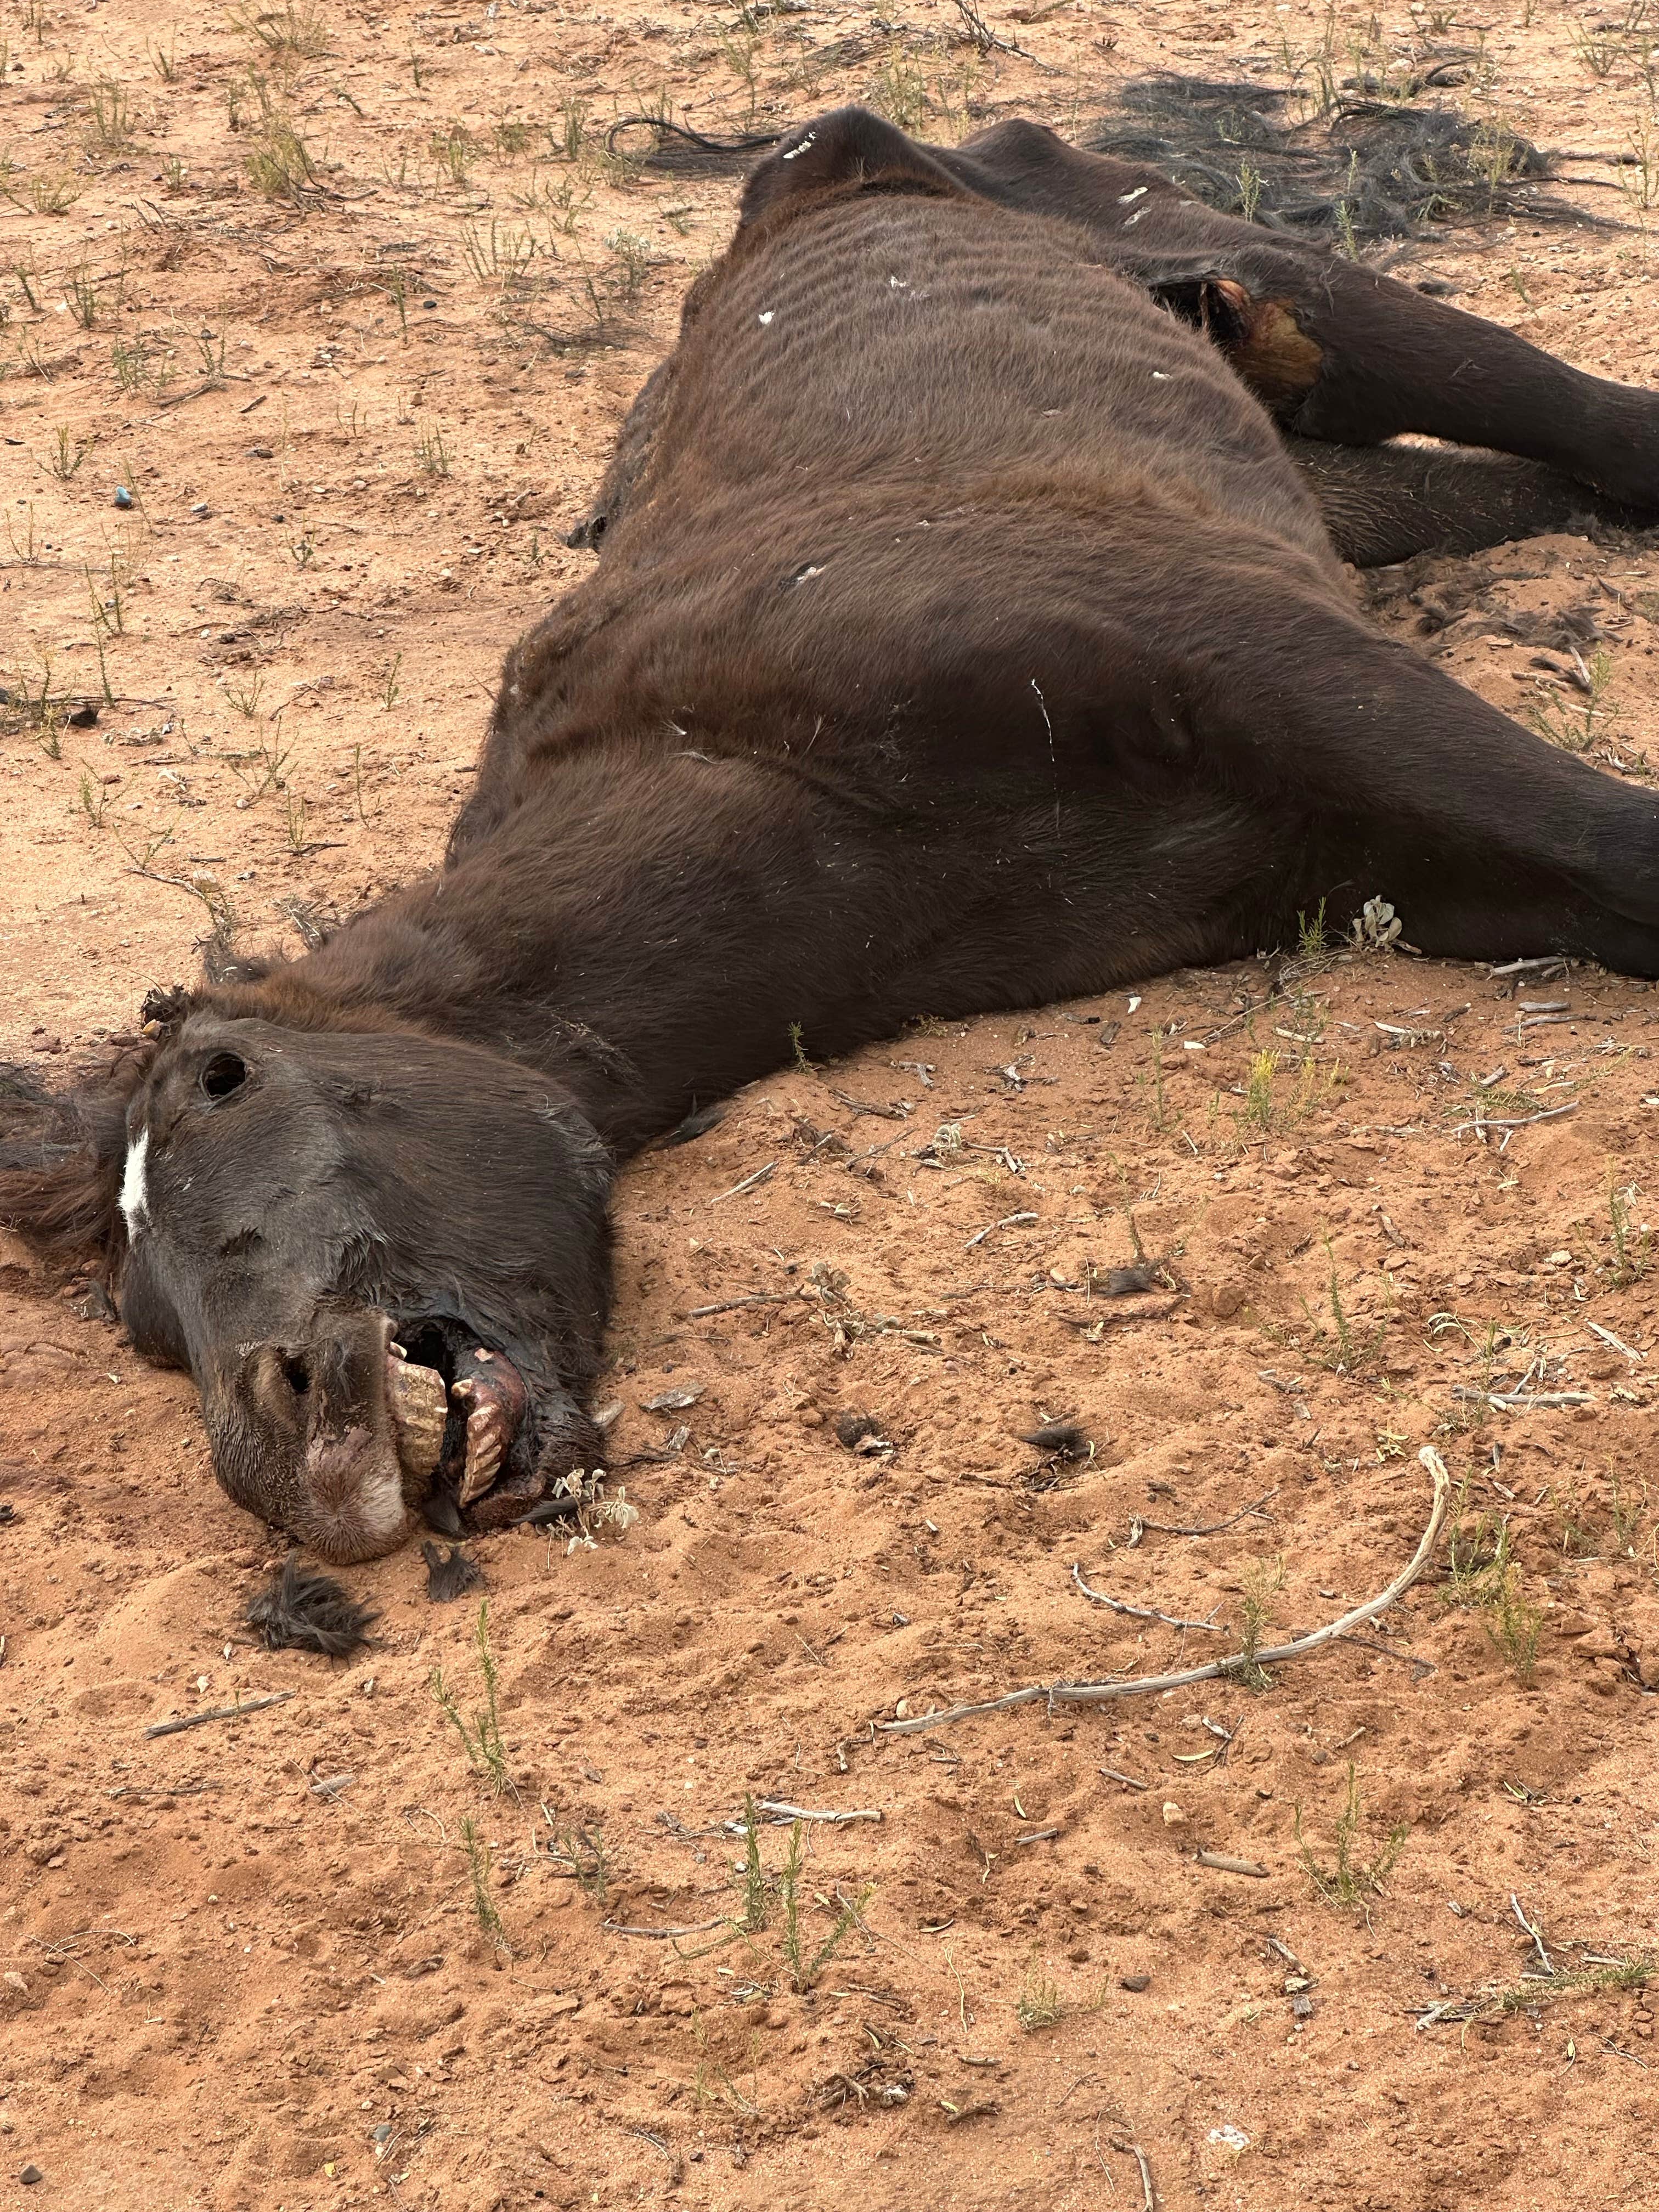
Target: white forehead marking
135	1192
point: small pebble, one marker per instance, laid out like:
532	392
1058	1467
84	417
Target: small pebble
1135	1982
200	510
123	496
259	453
30	2175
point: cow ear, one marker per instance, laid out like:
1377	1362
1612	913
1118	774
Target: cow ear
61	1156
163	1012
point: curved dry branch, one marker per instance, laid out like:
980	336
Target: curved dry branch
1140	1686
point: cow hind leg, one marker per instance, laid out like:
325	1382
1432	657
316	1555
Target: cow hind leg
1290	699
1333	349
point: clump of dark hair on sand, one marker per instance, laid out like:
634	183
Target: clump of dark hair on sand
447	1579
1064	1439
1360	169
303	1610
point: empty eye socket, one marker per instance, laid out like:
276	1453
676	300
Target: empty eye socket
223	1074
296	1372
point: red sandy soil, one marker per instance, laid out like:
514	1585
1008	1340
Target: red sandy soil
242	1964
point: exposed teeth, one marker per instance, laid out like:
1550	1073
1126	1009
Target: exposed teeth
419	1409
485	1444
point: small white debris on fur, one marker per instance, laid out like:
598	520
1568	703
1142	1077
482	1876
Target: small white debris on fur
135	1190
1160	376
1124	198
766	316
812	139
898	283
1129	220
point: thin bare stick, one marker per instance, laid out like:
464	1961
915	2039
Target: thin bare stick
1149	2196
1141	1612
664	1934
1138	1523
1080	1694
1515	1122
219	1713
1224	1862
1531	1927
733	1305
750	1182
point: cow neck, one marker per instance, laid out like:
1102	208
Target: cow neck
647	931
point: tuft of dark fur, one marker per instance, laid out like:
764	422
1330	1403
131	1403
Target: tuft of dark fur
303	1610
1125	1282
1064	1439
851	1429
559	1508
675	150
696	1125
442	1511
452	1577
1362	168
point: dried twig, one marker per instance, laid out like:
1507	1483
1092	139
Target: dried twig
1138	1523
1149	2195
1532	1929
1223	1864
1141	1612
219	1713
777	1809
750	1182
664	1934
1514	1122
1077	1694
1617	1342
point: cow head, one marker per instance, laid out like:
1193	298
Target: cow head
382	1256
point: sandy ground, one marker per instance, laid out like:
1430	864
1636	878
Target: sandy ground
268	1963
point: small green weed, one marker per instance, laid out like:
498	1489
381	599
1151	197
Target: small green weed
803	1969
1342	1346
93	799
482	1737
109	116
1571	720
1631	1242
582	1852
288	34
1261	1584
1348	1879
484	1904
1040	2004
